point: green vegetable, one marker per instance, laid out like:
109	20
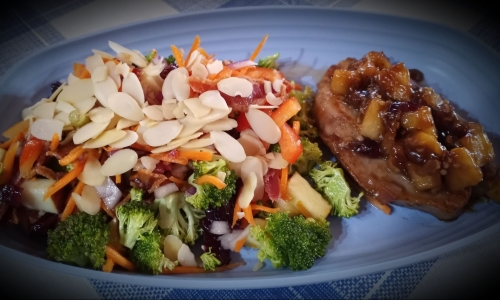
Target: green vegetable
170	59
311	156
177	217
136	194
275	148
291	241
208	195
307	123
147	254
135	219
210	262
78	119
151	55
68	167
330	182
269	61
81	240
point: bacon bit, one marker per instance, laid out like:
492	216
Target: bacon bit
303	210
195	270
55	142
177	55
108	266
272	184
70	205
200	85
119	259
177	180
284	184
158	178
212	180
138	146
72	155
171	156
194	46
259	47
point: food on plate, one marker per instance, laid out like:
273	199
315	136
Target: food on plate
169	165
402	142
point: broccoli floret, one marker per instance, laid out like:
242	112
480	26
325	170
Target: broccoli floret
307	123
81	239
170	59
269	61
330	182
136	194
275	148
135	219
311	156
151	55
208	195
291	241
177	217
147	254
210	262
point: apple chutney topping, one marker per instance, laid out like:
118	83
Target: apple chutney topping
412	127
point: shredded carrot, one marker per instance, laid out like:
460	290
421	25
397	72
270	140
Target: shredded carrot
119	259
265	208
224	73
197	155
108	266
193	270
212	180
296	126
212	76
236	210
259	47
8	162
19	136
70	205
239	244
55	142
196	44
284	184
107	210
387	209
303	210
80	71
203	52
249	214
72	155
66	179
177	55
138	146
118	178
19	127
177	180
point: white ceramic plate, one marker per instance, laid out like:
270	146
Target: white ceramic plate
309	40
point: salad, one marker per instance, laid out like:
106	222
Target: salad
172	164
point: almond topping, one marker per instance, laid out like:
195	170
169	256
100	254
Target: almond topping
235	86
162	133
120	162
228	146
125	106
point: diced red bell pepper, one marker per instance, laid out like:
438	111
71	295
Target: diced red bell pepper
242	122
31	151
286	111
290	144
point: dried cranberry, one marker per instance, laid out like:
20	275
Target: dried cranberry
168	68
416	75
368	147
10	194
137	72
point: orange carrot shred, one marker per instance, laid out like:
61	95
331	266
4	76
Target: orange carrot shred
66	179
249	214
284	184
70	205
196	155
265	208
72	155
259	47
5	145
303	210
239	244
177	180
177	55
237	209
196	44
203	52
193	270
55	142
118	178
296	126
108	266
119	259
212	180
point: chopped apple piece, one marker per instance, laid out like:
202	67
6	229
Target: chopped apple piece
32	195
423	182
462	172
342	80
423	144
420	119
372	126
478	144
300	190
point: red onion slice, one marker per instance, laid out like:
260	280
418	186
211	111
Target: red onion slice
241	64
109	193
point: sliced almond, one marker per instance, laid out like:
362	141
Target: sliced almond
263	125
278	162
125	123
180	86
192	58
125	106
188	130
277	83
104	139
44	129
251	144
213	99
101	115
104	89
197	108
64	117
92	62
64	107
100	73
214	115
149	163
176	143
154	70
147	122
44	110
88	131
140	132
215	67
254	164
167	88
171	243
135	58
91	174
186	257
167	109
129	138
154	112
162	133
228	146
199	70
72	79
247	191
113	122
221	125
77	91
89	201
113	74
132	86
122	69
198	143
102	54
273	100
85	105
268	87
235	86
120	162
